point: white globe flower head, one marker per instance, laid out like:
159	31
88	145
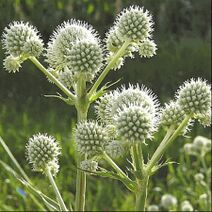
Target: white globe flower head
21	38
134	124
202	144
115	149
186	206
194	96
153	208
42	152
147	48
135	24
64	38
12	64
199	177
66	77
168	201
91	138
136	95
171	114
205	119
189	149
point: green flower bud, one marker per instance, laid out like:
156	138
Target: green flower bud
194	96
171	114
42	151
168	201
16	37
153	208
89	165
91	138
85	57
147	48
115	149
134	24
12	64
186	206
134	124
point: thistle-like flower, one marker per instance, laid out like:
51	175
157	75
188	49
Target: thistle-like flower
66	77
136	95
85	57
147	48
168	201
186	206
194	96
89	165
22	39
199	177
134	24
12	64
75	45
134	124
153	208
91	138
171	115
42	152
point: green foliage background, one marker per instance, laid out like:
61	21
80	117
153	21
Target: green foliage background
183	35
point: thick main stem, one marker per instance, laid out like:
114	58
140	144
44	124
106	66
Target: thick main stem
56	190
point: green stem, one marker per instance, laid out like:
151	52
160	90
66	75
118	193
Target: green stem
56	190
109	66
52	78
141	194
82	106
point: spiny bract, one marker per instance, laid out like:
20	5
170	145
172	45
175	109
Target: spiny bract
42	152
22	39
91	138
134	124
194	96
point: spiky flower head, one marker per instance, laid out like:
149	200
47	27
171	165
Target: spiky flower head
42	152
171	114
61	47
134	23
137	95
12	64
204	119
202	144
85	57
186	206
199	177
115	149
134	124
147	48
189	149
91	138
89	165
194	96
19	38
168	201
153	208
66	77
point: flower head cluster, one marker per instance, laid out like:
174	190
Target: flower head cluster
91	138
89	165
133	25
75	47
153	208
131	111
115	149
42	152
20	40
200	146
186	206
194	96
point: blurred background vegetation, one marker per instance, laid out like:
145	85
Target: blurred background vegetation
183	35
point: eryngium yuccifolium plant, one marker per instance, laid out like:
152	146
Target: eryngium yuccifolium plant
22	39
194	96
42	152
168	201
134	24
147	48
186	206
91	138
171	115
134	124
